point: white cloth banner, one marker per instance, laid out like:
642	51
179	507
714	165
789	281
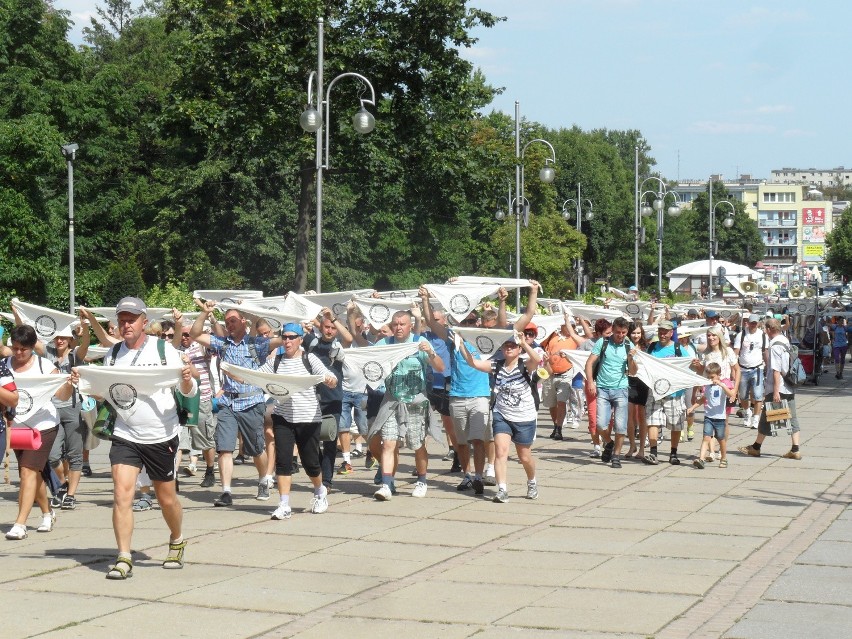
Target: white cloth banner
636	310
227	295
122	386
592	313
376	362
407	294
46	322
300	306
97	352
663	376
460	300
275	318
337	301
505	282
34	391
547	324
578	360
108	313
279	386
487	340
379	311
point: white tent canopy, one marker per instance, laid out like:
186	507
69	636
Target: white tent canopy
734	273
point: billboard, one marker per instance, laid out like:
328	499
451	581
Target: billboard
813	216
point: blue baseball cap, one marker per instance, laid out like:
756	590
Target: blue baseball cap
711	313
293	327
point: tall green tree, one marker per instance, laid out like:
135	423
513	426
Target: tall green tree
839	246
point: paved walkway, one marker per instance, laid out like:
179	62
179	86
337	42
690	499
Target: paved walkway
760	549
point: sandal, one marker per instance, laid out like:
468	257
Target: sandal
631	454
650	459
123	569
145	502
723	463
174	560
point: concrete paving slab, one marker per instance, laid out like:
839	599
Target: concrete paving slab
358	628
46	611
697	545
840	530
813	584
614	610
256	547
578	540
493	514
685	576
445	533
341	566
743	505
393	551
828	553
451	602
774	619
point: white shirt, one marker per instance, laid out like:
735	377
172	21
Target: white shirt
155	417
779	360
302	407
750	346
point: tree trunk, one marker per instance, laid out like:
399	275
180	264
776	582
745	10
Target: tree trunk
306	179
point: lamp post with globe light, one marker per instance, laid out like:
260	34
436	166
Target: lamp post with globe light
521	205
579	216
658	205
70	153
313	120
728	222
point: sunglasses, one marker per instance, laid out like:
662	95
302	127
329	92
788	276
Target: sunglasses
530	333
288	338
184	334
169	335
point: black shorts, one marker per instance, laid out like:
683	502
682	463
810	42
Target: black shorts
158	459
439	399
637	391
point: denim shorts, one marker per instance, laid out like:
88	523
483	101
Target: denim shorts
751	378
714	428
522	433
609	401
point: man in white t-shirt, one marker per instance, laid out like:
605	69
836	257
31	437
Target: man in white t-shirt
776	390
148	437
711	318
751	347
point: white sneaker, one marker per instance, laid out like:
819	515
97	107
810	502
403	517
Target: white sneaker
755	421
595	452
420	489
383	493
270	481
17	532
747	418
282	512
575	424
319	504
47	522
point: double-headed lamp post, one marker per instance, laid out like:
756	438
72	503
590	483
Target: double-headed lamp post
546	174
658	205
579	215
70	153
728	222
312	120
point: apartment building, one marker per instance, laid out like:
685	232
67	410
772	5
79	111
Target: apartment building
839	176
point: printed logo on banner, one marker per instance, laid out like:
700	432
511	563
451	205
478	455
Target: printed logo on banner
541	333
277	389
122	395
725	314
459	304
379	313
633	310
25	403
485	344
274	308
229	300
802	308
373	371
274	324
338	309
662	386
45	325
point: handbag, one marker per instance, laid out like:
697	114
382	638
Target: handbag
24	439
105	423
188	408
328	428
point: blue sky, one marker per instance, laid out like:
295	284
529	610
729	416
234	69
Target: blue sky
729	87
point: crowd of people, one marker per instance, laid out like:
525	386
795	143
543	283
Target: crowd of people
444	385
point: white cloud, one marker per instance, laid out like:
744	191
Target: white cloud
726	128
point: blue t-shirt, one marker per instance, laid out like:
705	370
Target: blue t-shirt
669	351
465	380
612	373
439	380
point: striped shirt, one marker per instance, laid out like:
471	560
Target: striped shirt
301	407
240	355
198	357
514	399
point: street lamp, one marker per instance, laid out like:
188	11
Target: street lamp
728	222
658	205
578	216
70	153
547	174
312	120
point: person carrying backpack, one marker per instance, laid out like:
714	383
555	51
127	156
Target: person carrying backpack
515	411
777	388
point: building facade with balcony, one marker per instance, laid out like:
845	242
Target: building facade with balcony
839	176
743	189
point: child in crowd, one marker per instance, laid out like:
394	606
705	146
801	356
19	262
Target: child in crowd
714	398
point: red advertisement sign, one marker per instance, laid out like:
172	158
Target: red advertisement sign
813	217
